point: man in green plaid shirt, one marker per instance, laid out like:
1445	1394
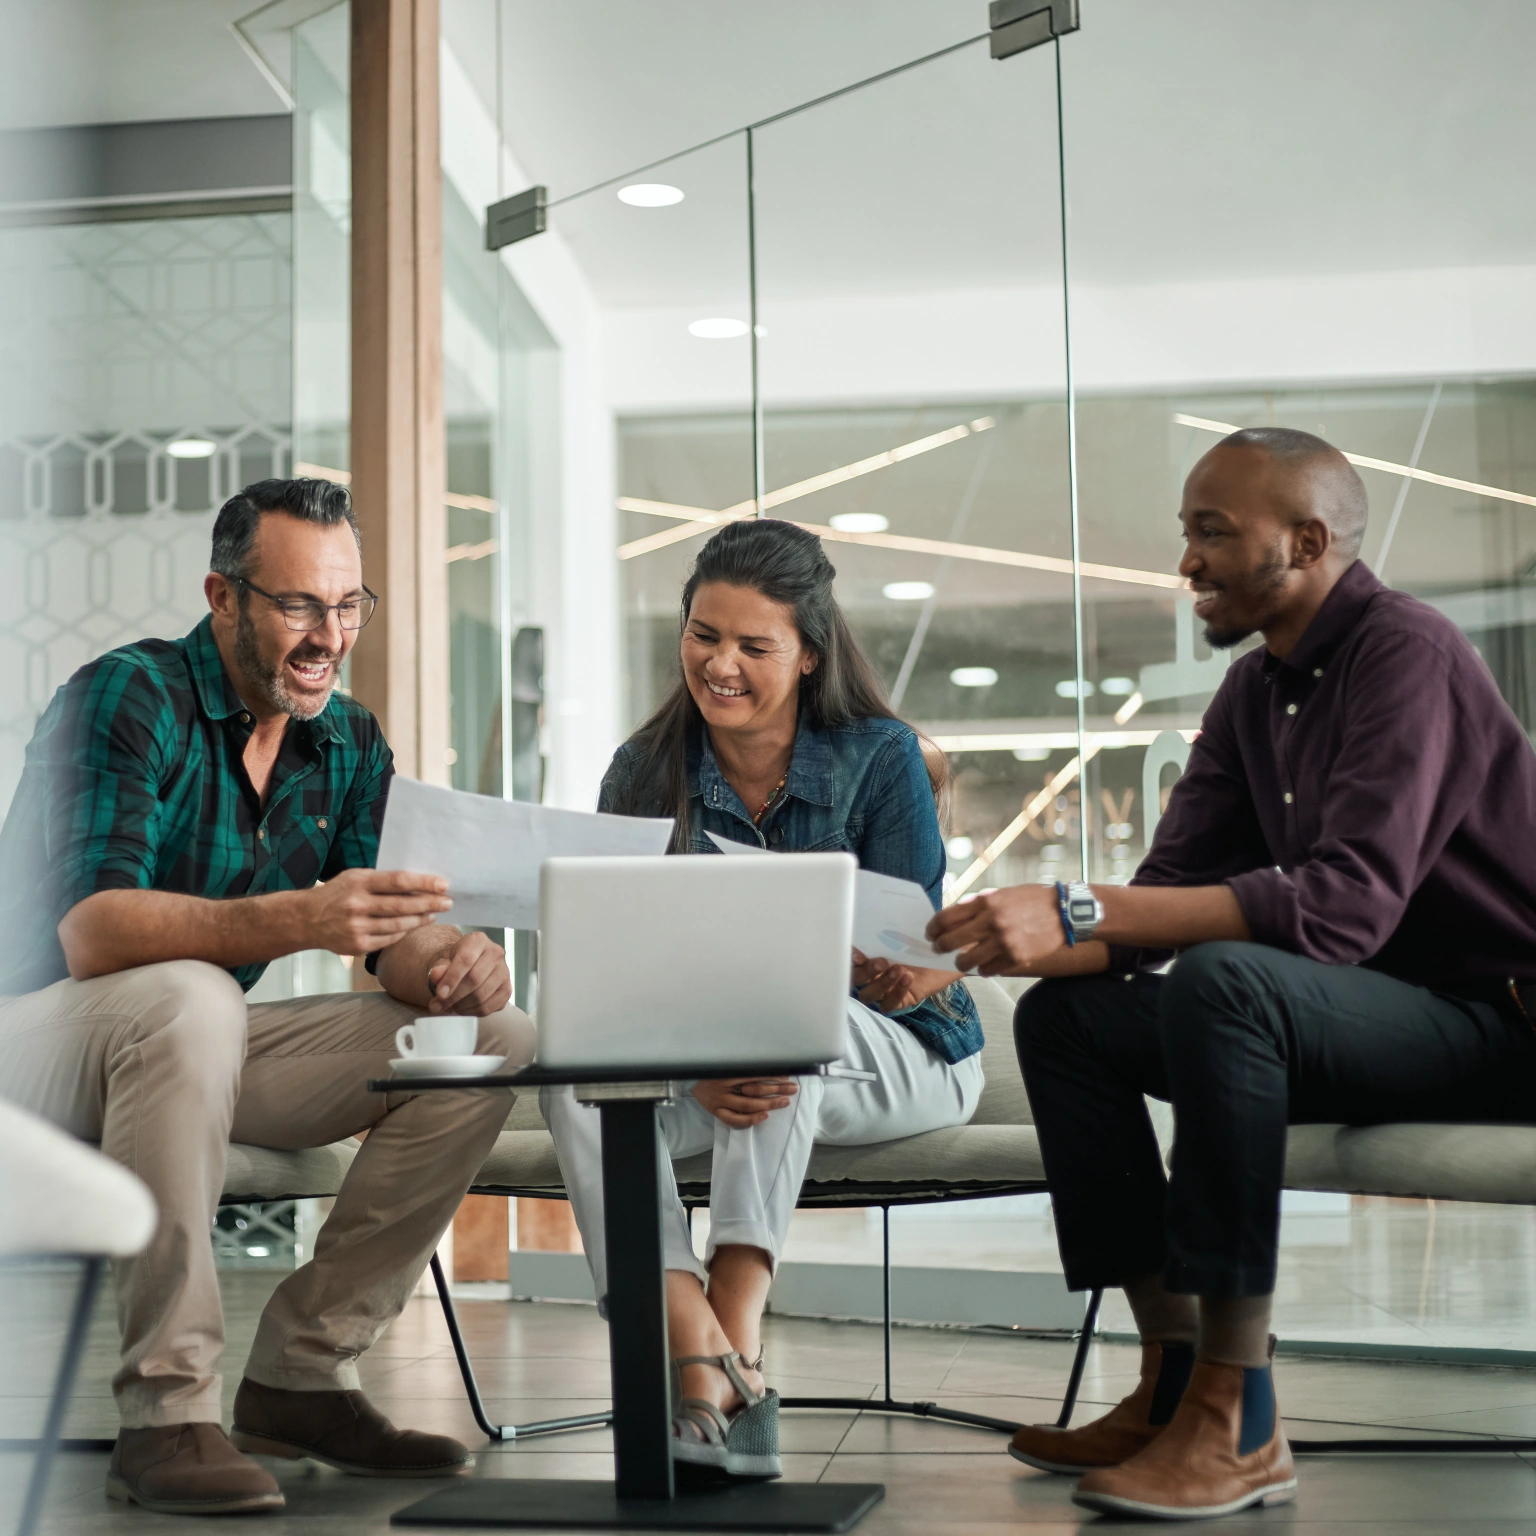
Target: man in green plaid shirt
190	811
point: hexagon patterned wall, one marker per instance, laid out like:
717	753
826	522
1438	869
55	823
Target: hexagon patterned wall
118	341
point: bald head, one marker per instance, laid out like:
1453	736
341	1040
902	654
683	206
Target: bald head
1310	478
1272	518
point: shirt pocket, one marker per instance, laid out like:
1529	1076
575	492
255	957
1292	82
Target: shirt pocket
301	847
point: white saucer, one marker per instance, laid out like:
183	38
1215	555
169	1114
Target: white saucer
445	1066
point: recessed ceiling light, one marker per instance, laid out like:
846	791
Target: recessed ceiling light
650	194
1031	754
907	591
960	847
717	329
973	677
859	522
1067	689
191	448
259	1253
1118	686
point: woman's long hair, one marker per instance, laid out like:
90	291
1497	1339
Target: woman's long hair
785	563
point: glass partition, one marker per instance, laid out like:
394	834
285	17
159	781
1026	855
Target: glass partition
913	389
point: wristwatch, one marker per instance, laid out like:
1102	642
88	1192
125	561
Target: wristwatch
1081	910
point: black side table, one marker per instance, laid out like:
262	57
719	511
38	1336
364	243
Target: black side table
643	1494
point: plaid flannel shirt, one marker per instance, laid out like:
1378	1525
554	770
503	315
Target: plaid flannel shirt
135	780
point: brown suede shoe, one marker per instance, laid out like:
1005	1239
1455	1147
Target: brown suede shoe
1130	1426
188	1469
1197	1468
343	1430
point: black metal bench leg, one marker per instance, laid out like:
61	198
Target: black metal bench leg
1080	1359
497	1432
74	1346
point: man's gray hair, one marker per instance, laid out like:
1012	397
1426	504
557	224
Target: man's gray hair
310	501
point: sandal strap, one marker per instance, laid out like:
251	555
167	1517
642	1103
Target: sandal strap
704	1416
729	1364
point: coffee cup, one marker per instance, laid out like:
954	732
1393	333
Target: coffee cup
447	1034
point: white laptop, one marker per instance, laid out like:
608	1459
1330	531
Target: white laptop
681	962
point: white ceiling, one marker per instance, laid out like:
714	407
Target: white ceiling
1206	138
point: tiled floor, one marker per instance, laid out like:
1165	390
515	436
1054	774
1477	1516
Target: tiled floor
542	1359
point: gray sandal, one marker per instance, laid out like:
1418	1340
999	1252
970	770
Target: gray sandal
744	1443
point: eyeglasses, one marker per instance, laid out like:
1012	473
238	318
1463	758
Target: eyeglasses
305	613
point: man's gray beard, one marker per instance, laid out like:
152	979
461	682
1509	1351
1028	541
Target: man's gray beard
267	679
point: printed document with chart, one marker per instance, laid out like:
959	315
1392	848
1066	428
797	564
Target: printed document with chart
491	850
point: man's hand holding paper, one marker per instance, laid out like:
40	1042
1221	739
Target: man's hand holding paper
490	850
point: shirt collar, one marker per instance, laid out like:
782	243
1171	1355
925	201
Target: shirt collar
1342	609
216	694
810	766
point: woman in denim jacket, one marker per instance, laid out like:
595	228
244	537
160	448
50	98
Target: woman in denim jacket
778	735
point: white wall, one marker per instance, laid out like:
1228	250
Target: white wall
1008	342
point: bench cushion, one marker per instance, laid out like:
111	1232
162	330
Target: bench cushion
265	1173
974	1155
1492	1163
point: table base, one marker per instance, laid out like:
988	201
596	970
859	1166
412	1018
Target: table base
559	1504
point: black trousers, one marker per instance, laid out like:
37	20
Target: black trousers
1243	1040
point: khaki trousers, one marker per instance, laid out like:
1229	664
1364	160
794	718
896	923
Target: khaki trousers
165	1065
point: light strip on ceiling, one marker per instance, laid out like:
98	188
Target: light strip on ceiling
1408	471
1054	741
705	520
939	547
457	552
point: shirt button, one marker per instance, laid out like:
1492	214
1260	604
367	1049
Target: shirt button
245	719
261	833
322	823
1290	709
1287	797
1317	671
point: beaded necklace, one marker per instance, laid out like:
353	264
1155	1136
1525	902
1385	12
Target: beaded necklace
773	794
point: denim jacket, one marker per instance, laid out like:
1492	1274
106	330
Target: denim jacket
860	788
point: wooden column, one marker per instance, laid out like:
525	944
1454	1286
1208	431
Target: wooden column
400	666
399	447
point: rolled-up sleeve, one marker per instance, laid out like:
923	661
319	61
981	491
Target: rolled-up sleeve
1410	762
104	753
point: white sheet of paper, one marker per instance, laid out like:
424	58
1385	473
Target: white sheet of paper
889	914
490	850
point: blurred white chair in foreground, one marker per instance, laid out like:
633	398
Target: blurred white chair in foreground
62	1199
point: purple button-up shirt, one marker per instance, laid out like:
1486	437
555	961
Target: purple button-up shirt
1370	799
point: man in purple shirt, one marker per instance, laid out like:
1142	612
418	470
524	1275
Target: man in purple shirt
1347	875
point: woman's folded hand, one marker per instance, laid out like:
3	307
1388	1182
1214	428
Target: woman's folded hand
895	988
743	1102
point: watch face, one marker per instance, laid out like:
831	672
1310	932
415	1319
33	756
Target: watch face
1082	909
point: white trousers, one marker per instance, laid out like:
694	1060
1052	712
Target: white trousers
757	1173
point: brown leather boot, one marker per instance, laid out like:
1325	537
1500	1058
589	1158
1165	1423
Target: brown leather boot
1127	1428
343	1430
188	1469
1209	1461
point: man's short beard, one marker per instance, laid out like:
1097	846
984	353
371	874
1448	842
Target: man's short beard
267	679
1265	583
